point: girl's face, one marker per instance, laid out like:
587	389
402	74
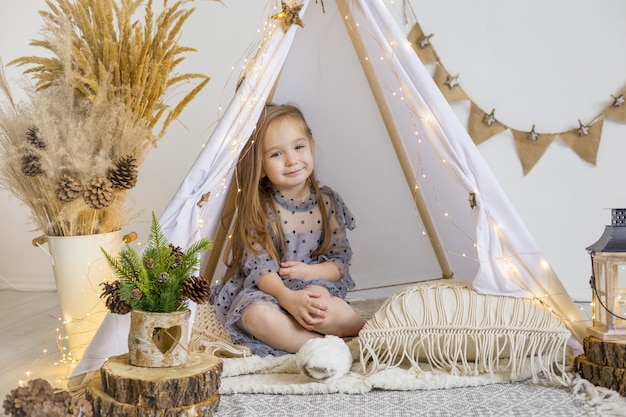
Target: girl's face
288	157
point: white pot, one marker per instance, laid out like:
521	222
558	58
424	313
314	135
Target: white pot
79	268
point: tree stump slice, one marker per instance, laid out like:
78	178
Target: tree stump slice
605	353
161	388
604	376
106	406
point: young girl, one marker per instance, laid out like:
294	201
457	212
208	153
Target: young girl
288	258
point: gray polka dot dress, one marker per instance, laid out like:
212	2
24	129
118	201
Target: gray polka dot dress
302	226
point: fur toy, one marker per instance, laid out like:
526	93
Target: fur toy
324	359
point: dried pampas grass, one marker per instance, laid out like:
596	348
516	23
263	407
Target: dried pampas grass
72	150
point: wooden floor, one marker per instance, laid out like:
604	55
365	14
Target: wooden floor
29	323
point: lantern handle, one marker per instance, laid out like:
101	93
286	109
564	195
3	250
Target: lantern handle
592	282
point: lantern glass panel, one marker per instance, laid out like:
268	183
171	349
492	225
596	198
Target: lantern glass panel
620	295
599	313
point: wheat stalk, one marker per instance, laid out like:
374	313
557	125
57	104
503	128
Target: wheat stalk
108	46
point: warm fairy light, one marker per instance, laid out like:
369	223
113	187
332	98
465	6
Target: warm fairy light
544	264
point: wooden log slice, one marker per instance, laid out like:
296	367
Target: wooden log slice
106	406
603	376
605	353
162	388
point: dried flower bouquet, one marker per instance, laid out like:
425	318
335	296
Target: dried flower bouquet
95	108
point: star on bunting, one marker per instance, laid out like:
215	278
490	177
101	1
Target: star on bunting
532	135
425	41
452	81
618	101
490	118
583	130
289	15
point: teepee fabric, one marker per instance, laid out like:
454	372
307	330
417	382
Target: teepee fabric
486	241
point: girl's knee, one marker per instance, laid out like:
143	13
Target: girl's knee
258	315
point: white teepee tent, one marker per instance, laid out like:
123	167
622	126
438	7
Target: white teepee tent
389	143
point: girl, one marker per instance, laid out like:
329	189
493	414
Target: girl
288	256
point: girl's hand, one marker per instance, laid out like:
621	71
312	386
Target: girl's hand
306	307
299	270
308	272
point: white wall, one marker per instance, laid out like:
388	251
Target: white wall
538	62
547	63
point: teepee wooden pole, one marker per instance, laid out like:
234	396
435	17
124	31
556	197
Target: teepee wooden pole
221	235
396	140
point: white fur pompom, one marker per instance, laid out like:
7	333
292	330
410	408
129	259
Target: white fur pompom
325	358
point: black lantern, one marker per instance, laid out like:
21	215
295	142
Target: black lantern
608	281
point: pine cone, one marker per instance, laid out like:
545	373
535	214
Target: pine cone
136	294
125	174
99	193
163	277
38	399
34	138
80	407
178	255
31	165
113	301
197	289
68	188
21	401
149	263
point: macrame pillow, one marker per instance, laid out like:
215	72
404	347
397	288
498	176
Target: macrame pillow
448	325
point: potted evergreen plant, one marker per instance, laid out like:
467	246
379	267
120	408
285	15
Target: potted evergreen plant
154	287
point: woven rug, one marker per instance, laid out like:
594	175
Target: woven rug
519	399
255	386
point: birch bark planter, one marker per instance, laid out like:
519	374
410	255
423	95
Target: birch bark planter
79	268
158	340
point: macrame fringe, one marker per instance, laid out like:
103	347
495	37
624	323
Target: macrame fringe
449	351
482	335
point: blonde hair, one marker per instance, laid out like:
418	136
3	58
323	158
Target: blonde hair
257	220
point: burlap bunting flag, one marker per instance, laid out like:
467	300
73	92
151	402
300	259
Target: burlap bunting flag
530	151
585	145
449	85
421	45
483	126
584	141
